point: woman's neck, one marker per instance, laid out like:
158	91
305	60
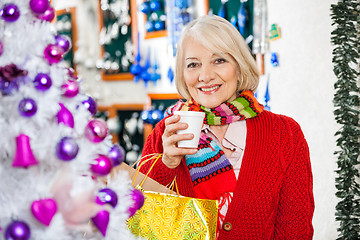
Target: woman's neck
219	130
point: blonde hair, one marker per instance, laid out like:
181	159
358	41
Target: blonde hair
218	35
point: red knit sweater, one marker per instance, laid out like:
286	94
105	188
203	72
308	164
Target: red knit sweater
273	198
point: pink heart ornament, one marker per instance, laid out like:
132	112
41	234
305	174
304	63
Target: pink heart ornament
44	210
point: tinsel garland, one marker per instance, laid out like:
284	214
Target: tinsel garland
345	38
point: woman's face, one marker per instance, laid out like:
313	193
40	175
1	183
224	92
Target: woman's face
210	77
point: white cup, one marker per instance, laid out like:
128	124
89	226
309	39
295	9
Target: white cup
195	122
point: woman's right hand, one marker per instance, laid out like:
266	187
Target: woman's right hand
172	154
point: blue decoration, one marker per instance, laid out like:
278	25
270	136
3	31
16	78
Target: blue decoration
146	116
170	74
274	60
267	96
146	72
159	25
155	76
155	5
157	115
242	18
222	11
149	26
136	68
144	7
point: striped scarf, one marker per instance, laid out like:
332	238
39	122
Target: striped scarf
209	168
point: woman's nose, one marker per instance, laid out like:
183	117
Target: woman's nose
206	73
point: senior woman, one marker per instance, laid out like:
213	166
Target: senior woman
256	163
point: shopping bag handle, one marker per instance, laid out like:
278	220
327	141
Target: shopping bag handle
173	185
155	156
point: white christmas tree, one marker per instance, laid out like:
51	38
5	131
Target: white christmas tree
54	154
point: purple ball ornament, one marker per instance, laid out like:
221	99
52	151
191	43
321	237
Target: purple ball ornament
10	12
53	54
138	201
102	166
67	149
17	230
48	15
39	6
42	82
71	88
27	107
101	221
90	105
96	130
63	41
105	196
65	116
117	154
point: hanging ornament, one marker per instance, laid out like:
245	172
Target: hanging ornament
101	221
42	82
27	107
170	74
102	165
67	149
44	210
157	115
53	54
136	68
71	88
267	95
144	7
138	201
96	130
1	48
146	71
117	154
17	230
39	6
274	32
105	196
10	12
64	42
223	10
90	105
24	156
146	116
65	116
274	60
241	15
48	15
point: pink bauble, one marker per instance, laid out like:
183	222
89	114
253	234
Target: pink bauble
96	130
102	166
101	221
48	15
44	210
71	88
53	54
138	201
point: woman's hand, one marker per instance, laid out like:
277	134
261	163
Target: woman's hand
172	154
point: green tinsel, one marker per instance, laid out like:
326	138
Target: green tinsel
346	38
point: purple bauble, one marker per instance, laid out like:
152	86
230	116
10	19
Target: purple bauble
65	117
117	154
138	201
90	105
71	88
96	130
48	15
102	166
53	54
39	6
42	82
10	12
1	48
17	230
67	149
27	107
64	42
107	195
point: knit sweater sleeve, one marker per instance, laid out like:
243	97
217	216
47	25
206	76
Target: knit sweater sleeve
296	206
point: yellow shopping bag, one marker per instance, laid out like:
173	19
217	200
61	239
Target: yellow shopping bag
174	217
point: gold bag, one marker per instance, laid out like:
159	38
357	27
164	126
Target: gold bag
174	217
